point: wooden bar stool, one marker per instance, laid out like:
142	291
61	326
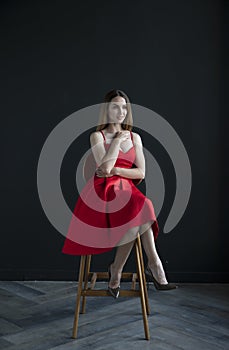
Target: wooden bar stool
86	289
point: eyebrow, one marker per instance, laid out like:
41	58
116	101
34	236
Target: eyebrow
118	104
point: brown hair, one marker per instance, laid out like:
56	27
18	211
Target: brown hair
128	121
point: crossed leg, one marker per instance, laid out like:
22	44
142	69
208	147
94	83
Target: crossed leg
123	252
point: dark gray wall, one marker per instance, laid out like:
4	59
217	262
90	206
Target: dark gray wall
60	56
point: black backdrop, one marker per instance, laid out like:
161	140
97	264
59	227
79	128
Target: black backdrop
60	56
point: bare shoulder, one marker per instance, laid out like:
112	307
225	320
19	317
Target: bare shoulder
96	137
136	138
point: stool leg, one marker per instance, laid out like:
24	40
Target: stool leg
142	293
143	274
87	270
79	291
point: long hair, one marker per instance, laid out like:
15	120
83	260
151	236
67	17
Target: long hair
103	116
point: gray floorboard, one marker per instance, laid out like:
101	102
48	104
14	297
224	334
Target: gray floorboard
37	315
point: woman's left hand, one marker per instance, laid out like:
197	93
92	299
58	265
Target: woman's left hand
114	171
100	173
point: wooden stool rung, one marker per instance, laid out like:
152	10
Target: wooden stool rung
93	280
134	278
105	293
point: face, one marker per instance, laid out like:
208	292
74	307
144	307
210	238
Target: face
117	110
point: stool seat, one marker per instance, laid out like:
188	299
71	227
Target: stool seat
87	281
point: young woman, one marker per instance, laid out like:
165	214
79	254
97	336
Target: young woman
111	210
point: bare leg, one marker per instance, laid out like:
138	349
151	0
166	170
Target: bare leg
154	261
122	254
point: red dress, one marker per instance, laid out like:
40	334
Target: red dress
106	209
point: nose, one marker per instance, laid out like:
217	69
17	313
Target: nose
121	112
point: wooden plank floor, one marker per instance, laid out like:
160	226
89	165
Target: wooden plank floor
39	315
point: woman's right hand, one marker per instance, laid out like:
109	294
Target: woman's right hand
122	135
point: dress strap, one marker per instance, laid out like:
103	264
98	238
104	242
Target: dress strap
131	135
103	135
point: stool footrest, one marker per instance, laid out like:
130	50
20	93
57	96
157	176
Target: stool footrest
104	275
105	292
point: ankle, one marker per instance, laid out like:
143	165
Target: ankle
116	269
154	264
116	275
158	272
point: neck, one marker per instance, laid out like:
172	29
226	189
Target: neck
113	128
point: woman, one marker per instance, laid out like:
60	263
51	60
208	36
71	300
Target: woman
111	210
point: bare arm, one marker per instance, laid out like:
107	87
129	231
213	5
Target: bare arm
106	160
139	171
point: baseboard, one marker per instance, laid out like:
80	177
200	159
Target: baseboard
70	275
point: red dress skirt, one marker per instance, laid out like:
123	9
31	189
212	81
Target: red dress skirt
106	209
